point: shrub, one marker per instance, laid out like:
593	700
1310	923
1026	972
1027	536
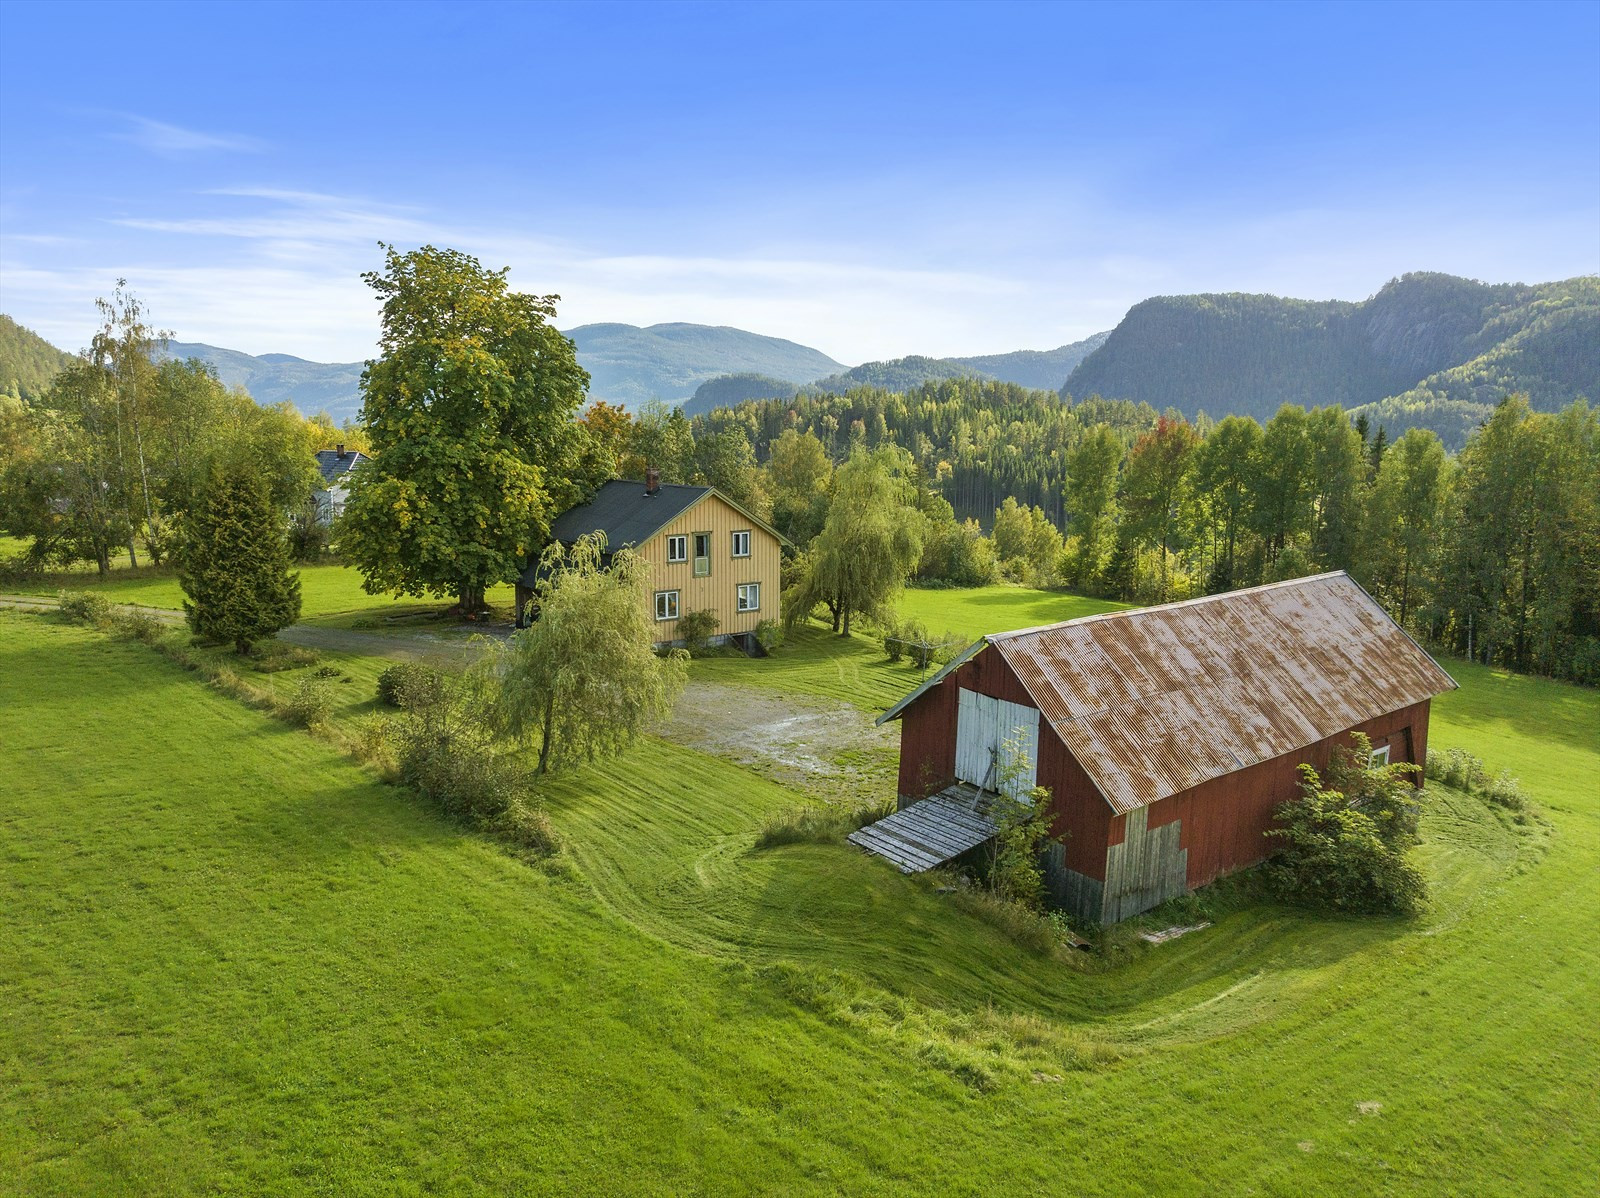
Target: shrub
465	777
137	626
769	635
85	607
410	685
1345	848
273	656
697	628
311	703
526	829
1505	791
899	639
373	743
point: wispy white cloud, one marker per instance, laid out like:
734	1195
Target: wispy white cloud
172	141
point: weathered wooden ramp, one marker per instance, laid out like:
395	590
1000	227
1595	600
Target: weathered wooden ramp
929	832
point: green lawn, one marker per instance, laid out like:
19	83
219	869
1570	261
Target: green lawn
230	961
814	661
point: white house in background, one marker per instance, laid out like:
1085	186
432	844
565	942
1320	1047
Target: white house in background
335	465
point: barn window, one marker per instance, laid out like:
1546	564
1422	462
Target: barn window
666	605
750	596
741	543
678	548
702	554
1379	757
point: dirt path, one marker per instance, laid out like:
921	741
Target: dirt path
825	748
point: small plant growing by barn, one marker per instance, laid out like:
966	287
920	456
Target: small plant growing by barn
1021	815
1347	837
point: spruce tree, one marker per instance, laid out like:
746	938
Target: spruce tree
235	562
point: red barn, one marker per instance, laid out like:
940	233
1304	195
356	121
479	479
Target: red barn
1166	735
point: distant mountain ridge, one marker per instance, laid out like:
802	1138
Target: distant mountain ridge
1428	349
629	365
1043	370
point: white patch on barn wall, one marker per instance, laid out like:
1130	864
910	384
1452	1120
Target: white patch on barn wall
983	726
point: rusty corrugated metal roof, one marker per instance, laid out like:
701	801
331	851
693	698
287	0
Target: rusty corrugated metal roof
1154	701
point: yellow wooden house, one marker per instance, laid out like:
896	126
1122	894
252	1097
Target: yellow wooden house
704	553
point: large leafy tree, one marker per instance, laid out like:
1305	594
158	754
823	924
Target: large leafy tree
1224	468
1156	485
867	548
470	412
1091	494
1401	527
583	680
234	560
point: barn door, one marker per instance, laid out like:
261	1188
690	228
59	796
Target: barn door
983	726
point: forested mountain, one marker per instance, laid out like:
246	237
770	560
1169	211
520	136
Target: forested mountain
729	390
1046	369
27	361
1422	346
312	387
628	365
899	374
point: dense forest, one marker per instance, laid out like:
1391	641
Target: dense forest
1493	552
1429	350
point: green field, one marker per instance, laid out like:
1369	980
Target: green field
232	961
815	661
330	595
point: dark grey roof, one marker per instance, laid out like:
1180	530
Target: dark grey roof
333	466
622	510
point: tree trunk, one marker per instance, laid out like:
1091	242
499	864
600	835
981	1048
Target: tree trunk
544	735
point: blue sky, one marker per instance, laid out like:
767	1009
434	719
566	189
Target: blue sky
873	180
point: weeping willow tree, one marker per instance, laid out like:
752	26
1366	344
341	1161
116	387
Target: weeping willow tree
583	680
867	548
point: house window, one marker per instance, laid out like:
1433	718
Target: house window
666	605
1379	757
741	543
678	548
750	596
702	554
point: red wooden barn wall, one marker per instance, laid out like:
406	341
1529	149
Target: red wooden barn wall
1224	820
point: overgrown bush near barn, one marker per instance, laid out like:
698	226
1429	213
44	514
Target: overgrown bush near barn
1347	839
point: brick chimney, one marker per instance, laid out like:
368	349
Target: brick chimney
339	448
652	481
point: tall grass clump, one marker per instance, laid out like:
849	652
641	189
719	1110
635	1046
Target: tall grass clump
1462	771
815	823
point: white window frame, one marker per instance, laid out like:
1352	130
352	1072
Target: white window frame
752	589
745	534
1379	757
702	561
666	605
677	548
